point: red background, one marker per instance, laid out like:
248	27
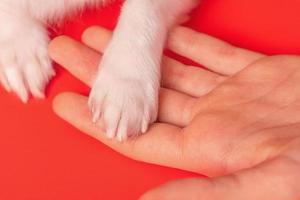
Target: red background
42	157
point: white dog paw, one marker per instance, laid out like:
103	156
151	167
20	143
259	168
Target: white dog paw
25	67
126	105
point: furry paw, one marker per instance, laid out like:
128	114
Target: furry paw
25	67
126	105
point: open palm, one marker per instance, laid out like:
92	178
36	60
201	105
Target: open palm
237	122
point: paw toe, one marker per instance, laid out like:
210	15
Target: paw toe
111	117
16	82
37	75
122	129
3	81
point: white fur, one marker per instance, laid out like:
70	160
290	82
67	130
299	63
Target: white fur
125	92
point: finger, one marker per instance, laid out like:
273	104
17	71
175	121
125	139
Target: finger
160	145
96	38
190	80
175	75
193	81
3	80
175	108
213	53
275	178
78	59
210	52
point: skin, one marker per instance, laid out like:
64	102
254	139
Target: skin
238	122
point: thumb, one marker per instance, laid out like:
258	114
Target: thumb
274	180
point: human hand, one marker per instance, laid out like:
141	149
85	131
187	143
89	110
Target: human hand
238	122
